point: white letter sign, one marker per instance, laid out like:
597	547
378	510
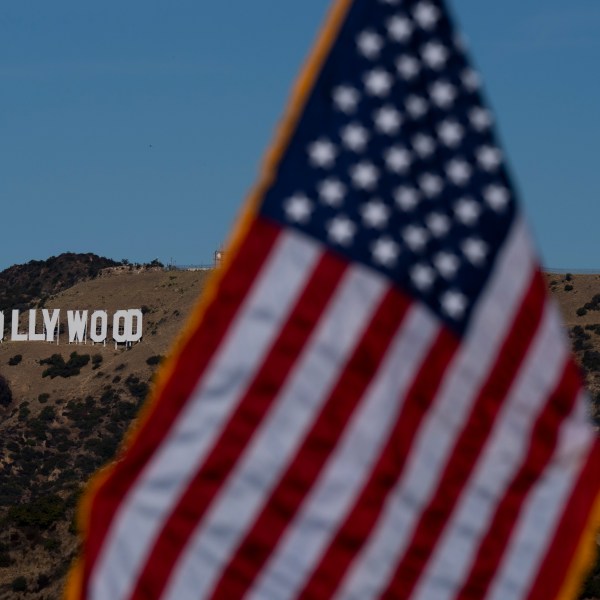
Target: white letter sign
51	323
14	334
98	326
77	325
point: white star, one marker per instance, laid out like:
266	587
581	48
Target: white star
471	80
438	223
355	137
364	175
480	118
378	82
443	94
467	211
475	250
369	44
459	171
489	157
399	29
408	67
446	263
375	214
451	132
416	238
332	191
426	15
388	120
406	197
434	55
423	145
431	184
422	276
453	303
416	106
385	251
497	197
341	230
322	153
397	159
298	208
346	98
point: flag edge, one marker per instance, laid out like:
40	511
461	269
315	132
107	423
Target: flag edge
583	558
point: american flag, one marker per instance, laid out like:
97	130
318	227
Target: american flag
375	398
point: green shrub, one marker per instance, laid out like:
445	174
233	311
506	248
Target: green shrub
43	581
581	311
57	367
15	360
5	559
10	493
5	392
23	411
48	414
591	360
138	389
96	361
154	360
568	287
43	398
19	584
51	544
39	513
104	448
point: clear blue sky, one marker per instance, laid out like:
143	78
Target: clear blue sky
135	129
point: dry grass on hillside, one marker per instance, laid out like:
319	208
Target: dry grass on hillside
57	431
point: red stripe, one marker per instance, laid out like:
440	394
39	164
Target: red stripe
242	425
567	538
287	497
544	437
470	443
189	367
360	521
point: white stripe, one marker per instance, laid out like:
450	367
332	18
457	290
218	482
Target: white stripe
500	460
492	317
544	508
279	436
149	503
349	467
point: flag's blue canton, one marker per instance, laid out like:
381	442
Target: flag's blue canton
394	162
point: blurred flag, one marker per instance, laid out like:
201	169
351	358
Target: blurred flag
375	398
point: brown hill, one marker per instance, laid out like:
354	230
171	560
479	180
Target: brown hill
57	431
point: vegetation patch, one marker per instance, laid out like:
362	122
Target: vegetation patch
15	360
5	392
138	389
39	513
57	367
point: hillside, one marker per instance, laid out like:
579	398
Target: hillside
56	431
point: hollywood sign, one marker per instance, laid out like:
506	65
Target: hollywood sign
126	326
